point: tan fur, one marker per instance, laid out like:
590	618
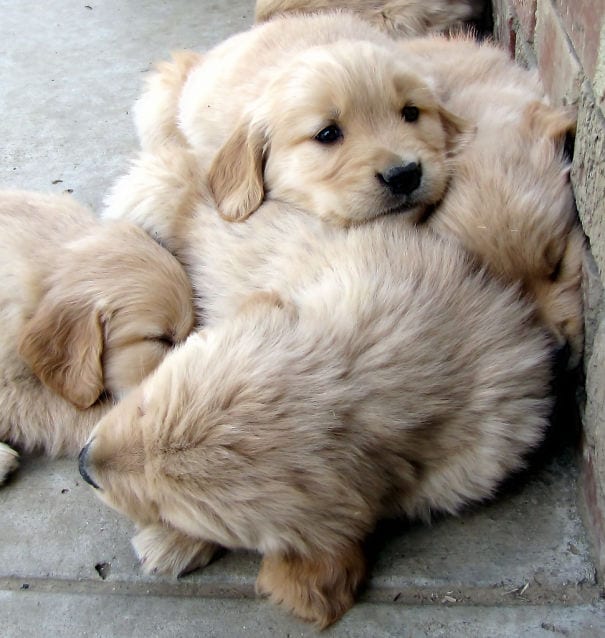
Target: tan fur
497	183
510	201
514	210
397	17
251	109
85	308
154	112
319	589
373	397
380	374
162	548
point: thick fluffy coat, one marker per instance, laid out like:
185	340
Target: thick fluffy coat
510	201
316	111
391	378
86	309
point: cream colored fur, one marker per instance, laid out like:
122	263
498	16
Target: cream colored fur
379	374
251	109
510	202
85	309
276	377
397	17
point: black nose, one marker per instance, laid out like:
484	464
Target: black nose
82	465
401	180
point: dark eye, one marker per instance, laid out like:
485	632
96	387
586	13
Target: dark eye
165	340
410	113
329	135
556	271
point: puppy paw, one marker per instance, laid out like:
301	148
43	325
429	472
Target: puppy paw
161	549
319	589
9	461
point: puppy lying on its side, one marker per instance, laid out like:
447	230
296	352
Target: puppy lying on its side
85	309
396	17
318	111
394	379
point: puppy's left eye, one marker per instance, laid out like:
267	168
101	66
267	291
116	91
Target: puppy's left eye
165	340
410	113
329	135
556	271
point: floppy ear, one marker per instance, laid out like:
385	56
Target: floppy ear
457	129
236	173
63	344
543	120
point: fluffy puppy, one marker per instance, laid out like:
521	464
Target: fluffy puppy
397	17
510	201
495	188
316	111
395	379
86	309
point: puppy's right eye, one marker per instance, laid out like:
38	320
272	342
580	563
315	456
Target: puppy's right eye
410	113
329	135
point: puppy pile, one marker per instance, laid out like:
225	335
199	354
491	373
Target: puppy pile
379	283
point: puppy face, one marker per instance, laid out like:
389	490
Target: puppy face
151	312
347	132
148	456
113	309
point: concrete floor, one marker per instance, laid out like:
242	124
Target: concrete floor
69	74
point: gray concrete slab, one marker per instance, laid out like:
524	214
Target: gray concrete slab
90	616
69	74
54	531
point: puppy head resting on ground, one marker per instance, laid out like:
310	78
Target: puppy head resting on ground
107	315
401	381
511	204
347	131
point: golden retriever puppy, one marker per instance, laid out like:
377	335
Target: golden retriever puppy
394	379
86	309
399	18
510	201
316	111
493	186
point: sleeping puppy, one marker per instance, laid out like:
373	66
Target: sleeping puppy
399	18
315	111
86	309
510	201
394	379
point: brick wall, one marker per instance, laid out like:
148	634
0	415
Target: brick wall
565	39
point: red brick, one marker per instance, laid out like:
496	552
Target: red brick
526	13
583	20
559	67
